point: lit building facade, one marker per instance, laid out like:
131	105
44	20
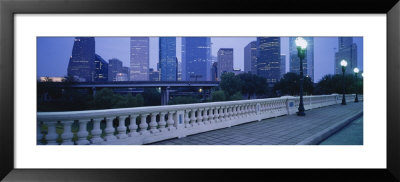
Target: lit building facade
347	50
308	62
250	58
101	66
114	67
269	58
225	61
167	59
283	65
139	59
81	63
196	58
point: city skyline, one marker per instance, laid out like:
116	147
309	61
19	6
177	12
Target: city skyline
119	47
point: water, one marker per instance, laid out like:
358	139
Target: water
352	134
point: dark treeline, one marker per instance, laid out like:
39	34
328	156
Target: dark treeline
232	87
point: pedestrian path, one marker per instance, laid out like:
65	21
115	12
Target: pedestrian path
284	130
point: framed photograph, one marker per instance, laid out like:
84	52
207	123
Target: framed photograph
141	90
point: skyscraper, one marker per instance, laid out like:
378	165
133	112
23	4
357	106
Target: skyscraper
196	58
308	62
168	61
269	58
101	73
214	71
347	51
114	68
81	63
225	61
283	65
139	59
250	58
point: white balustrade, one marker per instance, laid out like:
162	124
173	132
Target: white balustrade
170	121
109	130
83	133
67	134
153	123
96	131
51	136
143	124
182	120
122	128
133	126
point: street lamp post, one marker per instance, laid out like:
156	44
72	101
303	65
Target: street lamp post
356	70
343	63
301	45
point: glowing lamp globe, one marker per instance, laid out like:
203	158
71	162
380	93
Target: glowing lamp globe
356	70
300	42
343	63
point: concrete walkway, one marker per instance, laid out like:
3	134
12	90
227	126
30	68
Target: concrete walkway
285	130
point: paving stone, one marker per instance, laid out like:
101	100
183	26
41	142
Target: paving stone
284	130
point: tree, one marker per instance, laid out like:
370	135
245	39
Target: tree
334	84
230	83
290	85
183	100
218	95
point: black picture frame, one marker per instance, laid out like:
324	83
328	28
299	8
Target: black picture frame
9	8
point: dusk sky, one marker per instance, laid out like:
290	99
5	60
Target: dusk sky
53	53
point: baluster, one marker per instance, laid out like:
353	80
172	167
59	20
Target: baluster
122	128
170	121
211	116
205	116
235	112
231	112
221	114
193	117
109	130
143	124
39	134
241	111
153	123
52	135
199	117
67	134
83	133
162	122
133	126
96	131
187	119
216	115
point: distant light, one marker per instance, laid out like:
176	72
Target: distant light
343	63
200	90
300	42
356	70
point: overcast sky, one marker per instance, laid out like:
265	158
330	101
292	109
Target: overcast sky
53	52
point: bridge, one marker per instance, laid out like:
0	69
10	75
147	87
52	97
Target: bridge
149	125
164	85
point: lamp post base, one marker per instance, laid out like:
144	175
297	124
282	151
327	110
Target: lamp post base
301	113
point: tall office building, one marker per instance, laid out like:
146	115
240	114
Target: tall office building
82	61
114	68
283	65
196	58
214	71
225	61
269	58
250	58
154	75
347	51
139	59
308	62
101	66
126	70
167	59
